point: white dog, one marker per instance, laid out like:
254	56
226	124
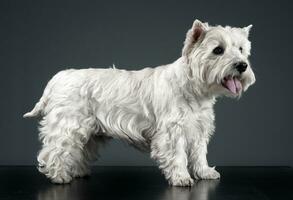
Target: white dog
167	110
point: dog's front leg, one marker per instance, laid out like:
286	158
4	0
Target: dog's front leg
169	150
198	162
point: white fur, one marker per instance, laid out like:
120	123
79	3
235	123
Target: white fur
167	110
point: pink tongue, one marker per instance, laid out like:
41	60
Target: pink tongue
238	85
233	85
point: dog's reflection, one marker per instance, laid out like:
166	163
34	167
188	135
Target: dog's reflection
72	191
202	190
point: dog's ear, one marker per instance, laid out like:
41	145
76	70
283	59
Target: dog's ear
247	30
194	35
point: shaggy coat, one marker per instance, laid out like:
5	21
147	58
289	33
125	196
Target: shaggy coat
166	110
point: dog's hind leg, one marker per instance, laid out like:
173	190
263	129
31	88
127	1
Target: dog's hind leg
65	136
90	153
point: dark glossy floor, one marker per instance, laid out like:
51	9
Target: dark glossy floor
137	183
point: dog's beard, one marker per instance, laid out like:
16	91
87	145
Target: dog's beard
232	84
225	81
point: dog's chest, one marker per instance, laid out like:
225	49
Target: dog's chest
201	120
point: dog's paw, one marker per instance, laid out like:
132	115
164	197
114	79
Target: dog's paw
181	181
207	173
61	178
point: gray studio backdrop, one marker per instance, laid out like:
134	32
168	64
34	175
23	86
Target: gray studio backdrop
39	38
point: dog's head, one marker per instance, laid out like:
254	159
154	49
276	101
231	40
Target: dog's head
217	58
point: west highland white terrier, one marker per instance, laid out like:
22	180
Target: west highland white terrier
166	110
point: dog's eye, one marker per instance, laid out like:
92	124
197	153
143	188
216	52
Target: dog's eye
218	50
241	49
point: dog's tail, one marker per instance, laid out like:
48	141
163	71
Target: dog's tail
37	110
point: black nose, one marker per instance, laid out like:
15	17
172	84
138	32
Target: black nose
241	66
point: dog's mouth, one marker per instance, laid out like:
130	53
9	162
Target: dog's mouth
233	84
